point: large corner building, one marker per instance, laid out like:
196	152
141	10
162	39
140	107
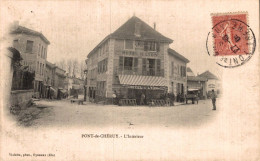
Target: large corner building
135	59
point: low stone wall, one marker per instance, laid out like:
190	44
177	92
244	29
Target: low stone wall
21	97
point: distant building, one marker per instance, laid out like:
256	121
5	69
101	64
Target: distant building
135	59
190	72
54	78
33	47
197	83
59	78
177	72
213	82
73	83
50	74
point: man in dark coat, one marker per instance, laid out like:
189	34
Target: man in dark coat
172	98
213	98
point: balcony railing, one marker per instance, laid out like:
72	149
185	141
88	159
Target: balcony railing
138	71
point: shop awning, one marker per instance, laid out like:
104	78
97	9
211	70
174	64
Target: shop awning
138	80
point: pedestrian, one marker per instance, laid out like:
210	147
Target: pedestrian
168	99
178	97
172	98
142	99
114	98
213	98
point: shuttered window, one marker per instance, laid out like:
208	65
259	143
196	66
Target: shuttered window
29	46
144	66
135	65
121	63
158	65
172	68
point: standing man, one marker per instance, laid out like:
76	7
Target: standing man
142	99
172	98
114	99
213	98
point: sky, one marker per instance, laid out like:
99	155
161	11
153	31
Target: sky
74	28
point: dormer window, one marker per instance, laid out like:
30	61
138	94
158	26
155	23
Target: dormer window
139	44
151	46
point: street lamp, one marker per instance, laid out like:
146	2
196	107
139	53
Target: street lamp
85	85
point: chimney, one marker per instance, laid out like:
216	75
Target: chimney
154	26
138	29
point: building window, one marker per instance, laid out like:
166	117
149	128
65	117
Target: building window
148	67
15	44
183	71
172	68
29	46
42	52
102	66
128	63
37	67
129	44
43	69
151	46
45	53
39	52
139	44
151	66
158	66
40	72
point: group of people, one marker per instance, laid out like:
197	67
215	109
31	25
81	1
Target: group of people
169	98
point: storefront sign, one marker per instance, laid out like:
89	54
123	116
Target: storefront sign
146	87
141	53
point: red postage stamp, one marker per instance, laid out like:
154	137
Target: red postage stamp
233	39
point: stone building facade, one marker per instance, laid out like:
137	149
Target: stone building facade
134	59
33	47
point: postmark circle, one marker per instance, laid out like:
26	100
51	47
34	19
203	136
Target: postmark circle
232	42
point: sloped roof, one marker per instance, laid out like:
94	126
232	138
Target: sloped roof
174	53
207	74
127	31
21	29
50	64
196	78
189	69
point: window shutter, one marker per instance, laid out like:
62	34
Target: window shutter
135	62
158	66
144	66
121	62
182	72
106	65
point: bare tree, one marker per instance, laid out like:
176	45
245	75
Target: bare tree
69	67
82	69
75	68
62	64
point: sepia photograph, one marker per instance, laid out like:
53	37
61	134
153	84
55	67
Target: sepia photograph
129	80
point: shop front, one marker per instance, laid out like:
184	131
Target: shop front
133	86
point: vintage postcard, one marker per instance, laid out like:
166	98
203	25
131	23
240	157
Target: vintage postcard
129	80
